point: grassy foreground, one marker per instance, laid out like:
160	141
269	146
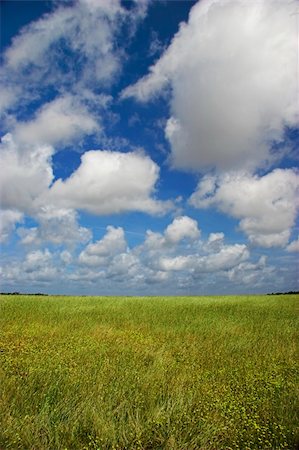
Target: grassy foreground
149	373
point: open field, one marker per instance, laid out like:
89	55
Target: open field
149	373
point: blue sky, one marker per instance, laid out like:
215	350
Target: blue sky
149	147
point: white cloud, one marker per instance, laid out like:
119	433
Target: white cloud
254	274
293	246
59	121
66	257
38	46
85	32
150	250
170	252
109	259
27	174
158	258
176	263
37	267
8	220
124	266
228	257
110	265
110	245
182	227
110	182
157	277
37	260
105	182
215	242
266	205
32	43
58	226
233	73
29	236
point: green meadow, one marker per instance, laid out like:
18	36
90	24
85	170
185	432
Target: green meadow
149	373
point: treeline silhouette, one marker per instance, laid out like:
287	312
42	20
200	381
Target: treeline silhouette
41	293
284	293
22	293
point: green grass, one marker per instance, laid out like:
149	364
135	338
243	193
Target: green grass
149	373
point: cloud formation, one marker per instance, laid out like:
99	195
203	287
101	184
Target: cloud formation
102	251
8	220
110	182
174	265
182	227
36	268
39	48
266	205
105	183
293	246
230	74
233	75
57	226
60	121
27	175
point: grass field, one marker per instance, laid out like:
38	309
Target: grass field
149	373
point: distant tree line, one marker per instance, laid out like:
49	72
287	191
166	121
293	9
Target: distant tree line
284	293
40	293
22	293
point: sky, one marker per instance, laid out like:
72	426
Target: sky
149	147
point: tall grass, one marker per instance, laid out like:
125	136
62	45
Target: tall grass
149	373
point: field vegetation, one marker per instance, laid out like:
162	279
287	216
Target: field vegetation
177	373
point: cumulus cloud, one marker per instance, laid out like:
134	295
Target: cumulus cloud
160	256
266	205
58	226
252	273
60	121
233	75
228	257
293	246
182	227
38	266
108	259
156	277
110	182
37	260
215	242
110	264
8	220
124	266
160	261
105	182
98	253
170	252
27	174
66	257
23	186
176	263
